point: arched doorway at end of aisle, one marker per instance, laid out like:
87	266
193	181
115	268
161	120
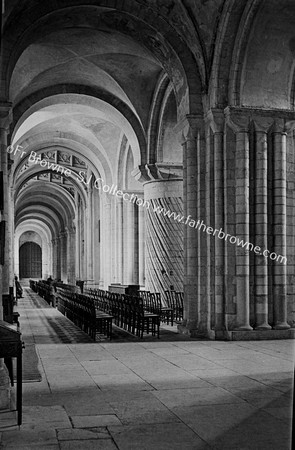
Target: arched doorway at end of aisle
30	260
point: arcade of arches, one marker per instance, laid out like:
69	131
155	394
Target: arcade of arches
185	104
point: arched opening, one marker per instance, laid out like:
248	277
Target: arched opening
30	260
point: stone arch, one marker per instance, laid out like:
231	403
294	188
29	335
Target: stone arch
231	40
61	145
30	267
20	109
239	52
42	230
59	204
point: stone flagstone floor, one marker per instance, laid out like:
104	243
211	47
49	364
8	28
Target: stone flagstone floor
172	393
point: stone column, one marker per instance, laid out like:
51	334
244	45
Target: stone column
54	258
79	237
119	230
239	122
191	298
64	255
71	269
197	319
114	240
50	258
261	223
141	246
130	221
82	240
89	235
58	257
96	237
106	255
11	214
185	241
216	122
280	226
6	276
204	261
164	235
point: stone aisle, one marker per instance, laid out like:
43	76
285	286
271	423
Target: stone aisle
151	395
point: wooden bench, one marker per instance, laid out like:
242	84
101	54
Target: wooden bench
81	310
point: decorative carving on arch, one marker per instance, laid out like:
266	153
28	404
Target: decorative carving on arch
50	155
63	157
78	162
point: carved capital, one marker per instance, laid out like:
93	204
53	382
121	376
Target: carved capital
155	172
288	127
63	233
215	119
189	127
5	114
262	124
72	227
237	119
146	173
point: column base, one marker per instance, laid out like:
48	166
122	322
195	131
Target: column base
244	328
282	326
254	335
191	330
263	326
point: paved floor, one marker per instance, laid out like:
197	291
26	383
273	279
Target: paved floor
171	394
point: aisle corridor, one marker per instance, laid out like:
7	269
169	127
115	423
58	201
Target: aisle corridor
150	395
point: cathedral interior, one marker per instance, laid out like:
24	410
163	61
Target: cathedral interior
151	144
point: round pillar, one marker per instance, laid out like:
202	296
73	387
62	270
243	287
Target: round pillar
164	235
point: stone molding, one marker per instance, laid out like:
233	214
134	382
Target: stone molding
239	119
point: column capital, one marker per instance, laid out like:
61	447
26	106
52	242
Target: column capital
65	232
215	119
156	172
283	126
262	124
71	228
188	127
5	114
237	119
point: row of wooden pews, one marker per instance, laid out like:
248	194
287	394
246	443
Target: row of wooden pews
128	312
81	310
95	310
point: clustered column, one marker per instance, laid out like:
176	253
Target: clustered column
240	124
196	314
280	225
